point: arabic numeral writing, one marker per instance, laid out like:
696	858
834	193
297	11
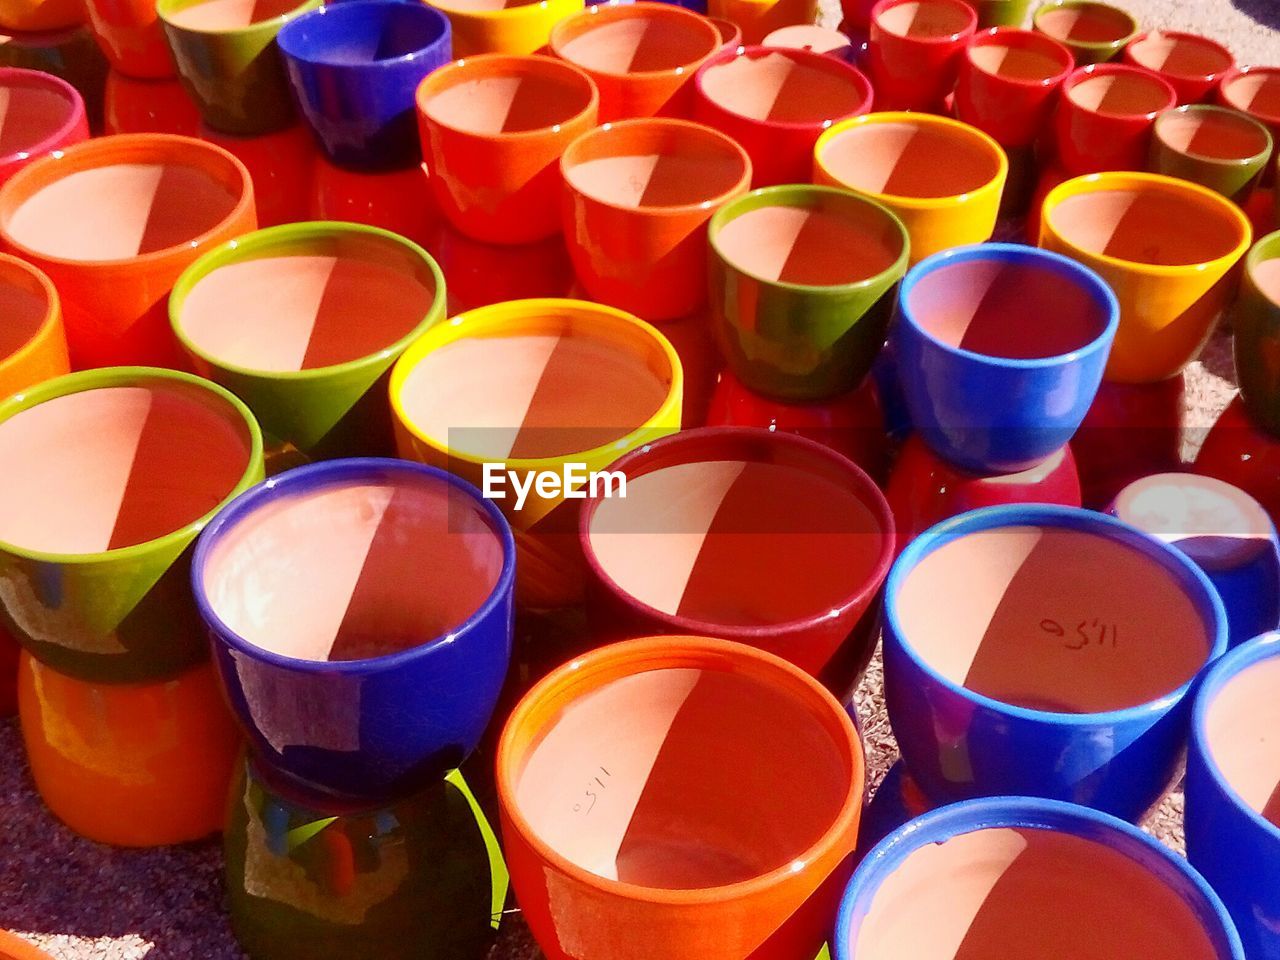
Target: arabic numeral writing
1088	633
597	785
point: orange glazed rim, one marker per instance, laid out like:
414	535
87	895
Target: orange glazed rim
14	947
52	315
592	670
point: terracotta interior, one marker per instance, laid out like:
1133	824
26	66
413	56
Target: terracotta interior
906	159
1120	94
779	88
117	466
1146	226
355	569
1180	56
1016	309
1051	619
808	36
395	32
515	100
30	113
737	543
929	19
1240	731
1027	894
683	779
1211	134
627	43
216	15
24	306
819	245
1266	275
1256	92
1015	63
308	303
121	211
1087	24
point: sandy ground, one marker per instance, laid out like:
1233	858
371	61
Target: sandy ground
83	901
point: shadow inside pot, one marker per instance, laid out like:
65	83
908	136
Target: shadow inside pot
1014	63
924	19
24	305
909	160
777	88
508	104
1091	23
684	173
1256	92
1238	726
30	115
1181	56
1120	94
635	45
1218	135
223	15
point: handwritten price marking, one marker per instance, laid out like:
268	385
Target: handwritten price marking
1087	633
593	790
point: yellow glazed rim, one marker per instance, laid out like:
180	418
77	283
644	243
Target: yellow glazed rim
535	10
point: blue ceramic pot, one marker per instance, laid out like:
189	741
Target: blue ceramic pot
361	615
1000	350
1228	839
355	67
896	801
1008	876
1048	651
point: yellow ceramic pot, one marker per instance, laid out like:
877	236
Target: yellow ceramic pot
519	27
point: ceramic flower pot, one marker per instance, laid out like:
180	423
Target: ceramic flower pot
1062	665
807	36
33	345
355	68
1255	91
776	103
1231	807
303	323
758	18
1001	13
517	27
422	878
1225	531
641	56
897	799
730	33
721	740
19	949
1094	32
944	179
482	274
1009	876
339	615
638	196
1255	319
572	383
1008	84
958	350
1221	149
130	35
1105	117
395	200
70	53
1172	283
493	129
227	59
42	114
30	16
1243	454
1193	65
137	461
916	50
113	222
281	166
803	280
148	106
129	764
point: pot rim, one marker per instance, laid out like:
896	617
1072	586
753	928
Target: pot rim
1023	39
1266	249
165	9
971	16
1229	112
21	76
290	51
640	10
1235	73
1091	70
530	10
52	315
1196	38
1096	45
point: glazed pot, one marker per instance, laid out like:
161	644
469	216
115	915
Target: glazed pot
1046	651
111	474
758	18
1094	32
148	106
33	345
16	948
70	53
806	36
1232	775
776	103
355	68
641	56
1008	876
1008	84
1193	65
493	129
517	27
896	800
395	200
30	16
113	222
1001	13
1225	531
803	280
1105	117
1255	91
638	196
1244	455
1255	319
303	323
1218	148
130	35
227	59
944	179
281	166
721	740
916	49
1172	283
42	114
312	587
481	274
986	393
730	33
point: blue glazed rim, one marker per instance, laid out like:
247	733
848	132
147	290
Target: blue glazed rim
1073	270
1072	518
310	478
1031	813
1248	654
313	53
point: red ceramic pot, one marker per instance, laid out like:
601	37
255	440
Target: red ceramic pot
1193	65
130	35
281	165
41	114
480	274
916	49
1105	117
148	106
1009	82
1255	91
1244	455
730	33
396	200
776	103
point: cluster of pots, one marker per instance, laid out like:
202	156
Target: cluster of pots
527	419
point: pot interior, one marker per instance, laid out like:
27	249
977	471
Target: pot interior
363	34
355	569
1087	23
1179	56
24	305
1120	94
1027	894
1256	92
644	779
777	88
30	113
629	43
930	19
1213	134
1050	618
906	159
1023	61
1266	276
117	466
1240	731
217	15
308	303
808	36
514	99
1014	309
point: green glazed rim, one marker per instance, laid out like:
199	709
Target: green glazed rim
808	195
166	8
86	380
263	240
1261	157
1101	45
1267	248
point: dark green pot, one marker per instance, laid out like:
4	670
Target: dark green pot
1001	13
1103	19
71	54
1227	152
1256	319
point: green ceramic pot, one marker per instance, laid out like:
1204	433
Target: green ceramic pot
1256	319
1222	149
303	322
802	287
1094	32
1001	13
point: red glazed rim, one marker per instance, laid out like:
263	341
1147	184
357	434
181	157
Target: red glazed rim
1131	58
53	311
1093	70
15	77
637	11
1017	39
958	5
1234	74
714	441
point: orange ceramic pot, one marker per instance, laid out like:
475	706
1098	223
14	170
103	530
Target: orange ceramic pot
114	222
13	947
281	165
148	106
395	200
134	765
130	35
33	346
